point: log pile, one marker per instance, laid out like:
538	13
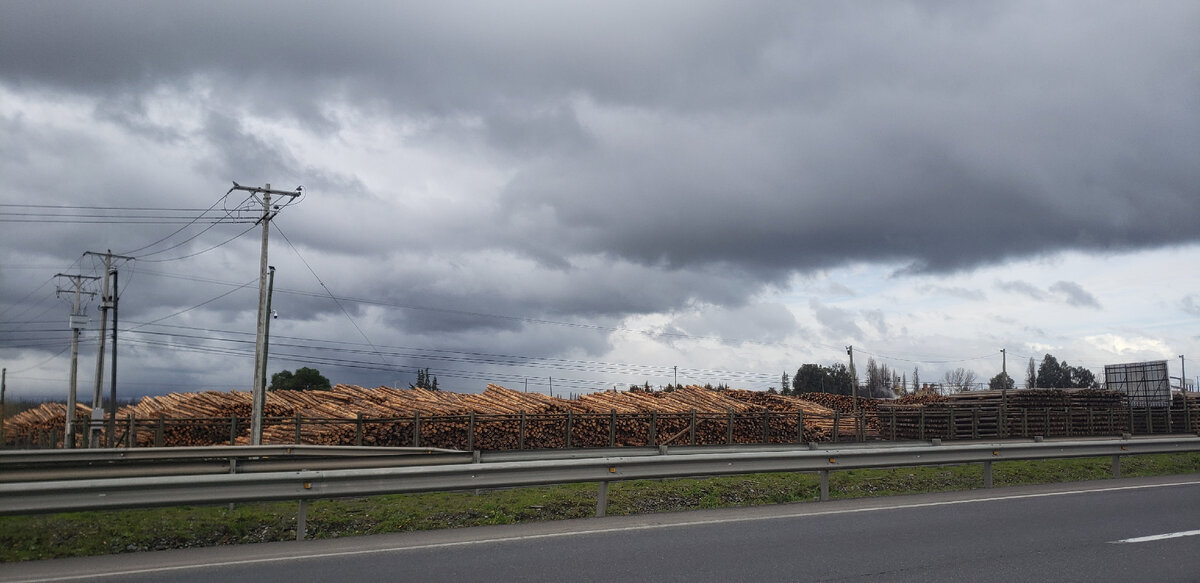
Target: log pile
844	405
47	419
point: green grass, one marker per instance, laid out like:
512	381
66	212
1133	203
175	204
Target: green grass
94	533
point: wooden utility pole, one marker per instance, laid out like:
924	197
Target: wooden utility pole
853	389
77	321
260	344
105	304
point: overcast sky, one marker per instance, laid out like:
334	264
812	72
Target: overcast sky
598	193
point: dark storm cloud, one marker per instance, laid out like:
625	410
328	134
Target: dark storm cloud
774	137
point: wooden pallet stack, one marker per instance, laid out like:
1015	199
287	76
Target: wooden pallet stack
1019	413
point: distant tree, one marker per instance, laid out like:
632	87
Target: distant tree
772	391
785	385
1050	374
1031	375
1001	381
959	379
1080	377
904	383
916	379
425	380
840	381
304	379
810	378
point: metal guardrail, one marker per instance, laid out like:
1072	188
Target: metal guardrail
115	493
55	465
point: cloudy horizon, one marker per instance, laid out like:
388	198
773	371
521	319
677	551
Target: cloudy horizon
601	194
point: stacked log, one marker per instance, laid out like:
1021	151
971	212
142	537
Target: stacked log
45	423
844	405
819	420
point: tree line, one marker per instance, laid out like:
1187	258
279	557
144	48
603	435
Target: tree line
881	381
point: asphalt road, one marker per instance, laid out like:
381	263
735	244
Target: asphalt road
1063	532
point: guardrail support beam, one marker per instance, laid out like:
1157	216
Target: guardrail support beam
1116	465
301	519
824	485
602	500
987	474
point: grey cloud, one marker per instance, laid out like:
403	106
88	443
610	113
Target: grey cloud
837	322
1023	288
1190	304
876	319
1075	295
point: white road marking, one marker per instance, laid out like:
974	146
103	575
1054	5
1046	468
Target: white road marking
401	548
1146	539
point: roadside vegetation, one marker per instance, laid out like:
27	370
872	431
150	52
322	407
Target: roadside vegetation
96	533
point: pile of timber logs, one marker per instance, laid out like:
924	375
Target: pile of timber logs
844	405
46	422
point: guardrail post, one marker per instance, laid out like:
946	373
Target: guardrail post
301	519
1116	466
987	474
824	485
471	431
358	429
602	499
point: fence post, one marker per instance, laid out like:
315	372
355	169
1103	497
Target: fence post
358	429
975	422
766	427
471	431
417	429
800	427
570	419
729	427
612	428
893	432
921	424
521	433
692	429
132	430
298	428
1025	422
837	425
653	428
158	431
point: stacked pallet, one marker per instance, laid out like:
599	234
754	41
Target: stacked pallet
1015	413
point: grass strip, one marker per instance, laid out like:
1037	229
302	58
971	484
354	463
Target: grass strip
76	534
